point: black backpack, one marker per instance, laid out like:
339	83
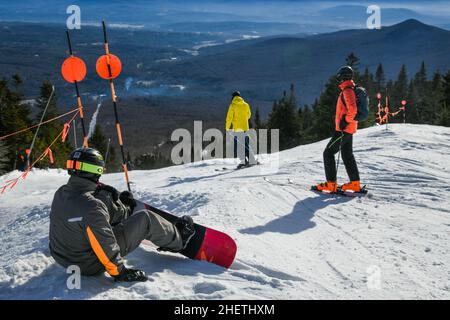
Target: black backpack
362	103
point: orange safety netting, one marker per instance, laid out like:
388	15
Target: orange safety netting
37	125
383	113
48	152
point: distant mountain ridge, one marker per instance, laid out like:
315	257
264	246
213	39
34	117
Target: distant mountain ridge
265	67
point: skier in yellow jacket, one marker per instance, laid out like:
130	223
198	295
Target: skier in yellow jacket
238	117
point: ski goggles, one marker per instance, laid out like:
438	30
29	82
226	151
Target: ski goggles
85	167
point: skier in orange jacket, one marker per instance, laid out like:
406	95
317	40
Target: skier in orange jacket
345	127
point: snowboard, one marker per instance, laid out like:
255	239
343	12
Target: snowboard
340	192
206	245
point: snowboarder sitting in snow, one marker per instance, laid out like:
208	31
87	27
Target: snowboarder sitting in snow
342	140
94	226
238	115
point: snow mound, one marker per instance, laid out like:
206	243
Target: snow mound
292	243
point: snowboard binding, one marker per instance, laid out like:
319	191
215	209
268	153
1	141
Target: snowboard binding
350	193
341	192
186	229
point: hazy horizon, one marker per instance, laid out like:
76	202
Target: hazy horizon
158	13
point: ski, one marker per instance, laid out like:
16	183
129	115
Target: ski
207	244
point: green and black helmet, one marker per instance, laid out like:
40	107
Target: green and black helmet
86	163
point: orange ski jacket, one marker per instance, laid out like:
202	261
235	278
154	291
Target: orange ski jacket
347	110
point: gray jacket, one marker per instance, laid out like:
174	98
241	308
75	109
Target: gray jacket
116	209
80	228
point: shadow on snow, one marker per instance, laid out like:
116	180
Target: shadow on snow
300	218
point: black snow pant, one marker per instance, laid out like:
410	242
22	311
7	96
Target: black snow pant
345	142
146	225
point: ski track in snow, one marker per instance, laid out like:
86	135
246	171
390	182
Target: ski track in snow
292	243
93	122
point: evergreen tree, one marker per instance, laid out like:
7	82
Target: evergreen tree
17	80
150	161
98	141
446	85
443	118
399	93
380	79
4	159
353	61
14	116
421	76
324	110
284	116
305	118
48	132
292	98
412	111
366	80
258	122
437	97
129	162
421	95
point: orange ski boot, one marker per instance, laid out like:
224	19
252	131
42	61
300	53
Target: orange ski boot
352	186
328	187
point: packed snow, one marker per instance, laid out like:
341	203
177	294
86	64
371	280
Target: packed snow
292	243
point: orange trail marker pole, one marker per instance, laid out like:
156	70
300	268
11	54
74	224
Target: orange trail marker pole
113	61
77	75
404	110
380	110
387	109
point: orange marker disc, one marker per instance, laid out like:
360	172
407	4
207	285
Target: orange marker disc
73	69
102	66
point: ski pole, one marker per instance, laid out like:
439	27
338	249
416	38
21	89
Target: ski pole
39	126
114	100
107	151
75	77
75	134
339	153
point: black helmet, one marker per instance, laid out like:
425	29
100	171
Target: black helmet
86	163
236	94
344	73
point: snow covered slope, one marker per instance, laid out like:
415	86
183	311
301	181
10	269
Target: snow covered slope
292	243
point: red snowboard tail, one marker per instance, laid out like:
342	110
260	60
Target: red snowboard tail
218	248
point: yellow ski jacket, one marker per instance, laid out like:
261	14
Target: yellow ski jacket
238	115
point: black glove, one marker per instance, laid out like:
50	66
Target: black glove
131	275
343	124
113	191
127	198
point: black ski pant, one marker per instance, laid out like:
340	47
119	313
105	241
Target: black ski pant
146	225
343	141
